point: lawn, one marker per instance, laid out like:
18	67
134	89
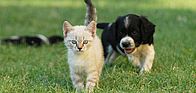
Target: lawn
45	69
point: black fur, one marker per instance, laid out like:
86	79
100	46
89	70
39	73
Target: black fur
88	2
31	40
102	25
139	28
55	39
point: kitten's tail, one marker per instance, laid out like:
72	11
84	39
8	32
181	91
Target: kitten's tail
90	12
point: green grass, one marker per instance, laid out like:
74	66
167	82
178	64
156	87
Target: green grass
44	69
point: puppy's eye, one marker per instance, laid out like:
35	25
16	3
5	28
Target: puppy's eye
85	42
121	33
134	32
73	41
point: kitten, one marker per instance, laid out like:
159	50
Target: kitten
85	51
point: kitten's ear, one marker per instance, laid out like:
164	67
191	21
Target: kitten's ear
66	28
92	27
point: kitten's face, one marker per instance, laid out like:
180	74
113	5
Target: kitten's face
78	38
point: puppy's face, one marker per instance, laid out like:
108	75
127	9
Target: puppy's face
133	30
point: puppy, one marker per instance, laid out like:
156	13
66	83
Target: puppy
37	40
132	36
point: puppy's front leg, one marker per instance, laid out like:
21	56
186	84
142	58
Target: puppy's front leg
146	63
112	55
135	60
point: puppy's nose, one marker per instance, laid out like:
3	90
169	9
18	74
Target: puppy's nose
126	44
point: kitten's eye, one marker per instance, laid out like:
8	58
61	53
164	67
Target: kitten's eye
73	41
85	42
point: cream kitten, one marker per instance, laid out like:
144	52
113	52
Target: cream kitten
85	52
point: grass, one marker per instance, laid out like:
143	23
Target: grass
44	69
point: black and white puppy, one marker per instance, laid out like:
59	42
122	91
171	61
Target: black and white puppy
37	40
132	36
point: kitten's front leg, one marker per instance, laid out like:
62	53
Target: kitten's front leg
77	81
92	80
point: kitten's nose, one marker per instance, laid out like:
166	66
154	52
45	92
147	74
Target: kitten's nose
79	48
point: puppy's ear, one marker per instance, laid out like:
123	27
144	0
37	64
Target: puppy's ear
92	28
118	25
147	30
67	27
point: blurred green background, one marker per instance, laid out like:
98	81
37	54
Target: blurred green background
44	69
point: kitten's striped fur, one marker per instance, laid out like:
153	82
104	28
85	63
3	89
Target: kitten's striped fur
85	51
90	12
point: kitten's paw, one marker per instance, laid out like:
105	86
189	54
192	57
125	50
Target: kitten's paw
79	87
90	86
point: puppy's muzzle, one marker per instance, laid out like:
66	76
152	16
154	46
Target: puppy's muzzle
126	44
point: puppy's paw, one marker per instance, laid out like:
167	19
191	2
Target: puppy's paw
144	70
108	64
